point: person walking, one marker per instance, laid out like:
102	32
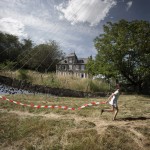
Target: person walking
112	100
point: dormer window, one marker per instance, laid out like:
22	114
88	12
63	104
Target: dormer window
81	61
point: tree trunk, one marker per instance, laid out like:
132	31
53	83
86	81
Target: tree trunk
140	88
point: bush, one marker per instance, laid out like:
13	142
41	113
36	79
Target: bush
98	86
8	65
23	75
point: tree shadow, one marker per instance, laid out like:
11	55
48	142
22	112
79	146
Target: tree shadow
133	118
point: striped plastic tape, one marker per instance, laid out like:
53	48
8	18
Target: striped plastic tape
52	106
36	106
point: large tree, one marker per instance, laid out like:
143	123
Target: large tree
43	57
10	47
124	50
24	56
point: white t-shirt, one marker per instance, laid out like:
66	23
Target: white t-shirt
114	99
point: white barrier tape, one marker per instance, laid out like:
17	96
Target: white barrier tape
91	104
36	106
46	106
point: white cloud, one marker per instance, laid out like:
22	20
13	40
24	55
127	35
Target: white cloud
91	11
12	26
40	21
129	4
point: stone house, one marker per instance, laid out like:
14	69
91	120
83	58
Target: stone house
72	65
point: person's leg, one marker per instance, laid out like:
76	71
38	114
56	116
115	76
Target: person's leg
108	110
115	113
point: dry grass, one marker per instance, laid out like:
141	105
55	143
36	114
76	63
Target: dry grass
53	80
42	129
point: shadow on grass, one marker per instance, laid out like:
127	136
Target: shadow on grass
132	118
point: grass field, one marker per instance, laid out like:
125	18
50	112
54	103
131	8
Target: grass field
57	129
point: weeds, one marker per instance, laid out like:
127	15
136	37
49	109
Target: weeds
57	81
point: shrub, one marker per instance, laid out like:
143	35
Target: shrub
8	65
23	75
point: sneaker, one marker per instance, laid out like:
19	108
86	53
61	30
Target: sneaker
102	111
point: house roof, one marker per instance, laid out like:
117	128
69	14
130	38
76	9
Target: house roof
71	55
82	60
79	60
64	61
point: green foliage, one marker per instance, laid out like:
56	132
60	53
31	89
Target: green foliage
7	65
93	87
23	57
23	75
43	57
10	47
90	67
98	86
124	49
52	81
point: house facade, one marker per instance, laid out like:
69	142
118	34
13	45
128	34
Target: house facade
72	65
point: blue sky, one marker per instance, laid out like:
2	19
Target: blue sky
74	24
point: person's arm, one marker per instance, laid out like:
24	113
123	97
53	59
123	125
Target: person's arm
110	97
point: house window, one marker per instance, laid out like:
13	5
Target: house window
70	60
59	67
82	67
63	67
77	67
70	67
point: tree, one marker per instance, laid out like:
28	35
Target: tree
10	47
124	49
24	56
44	57
90	67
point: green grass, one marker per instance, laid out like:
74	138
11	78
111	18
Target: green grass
56	129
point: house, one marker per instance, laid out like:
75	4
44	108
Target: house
72	65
